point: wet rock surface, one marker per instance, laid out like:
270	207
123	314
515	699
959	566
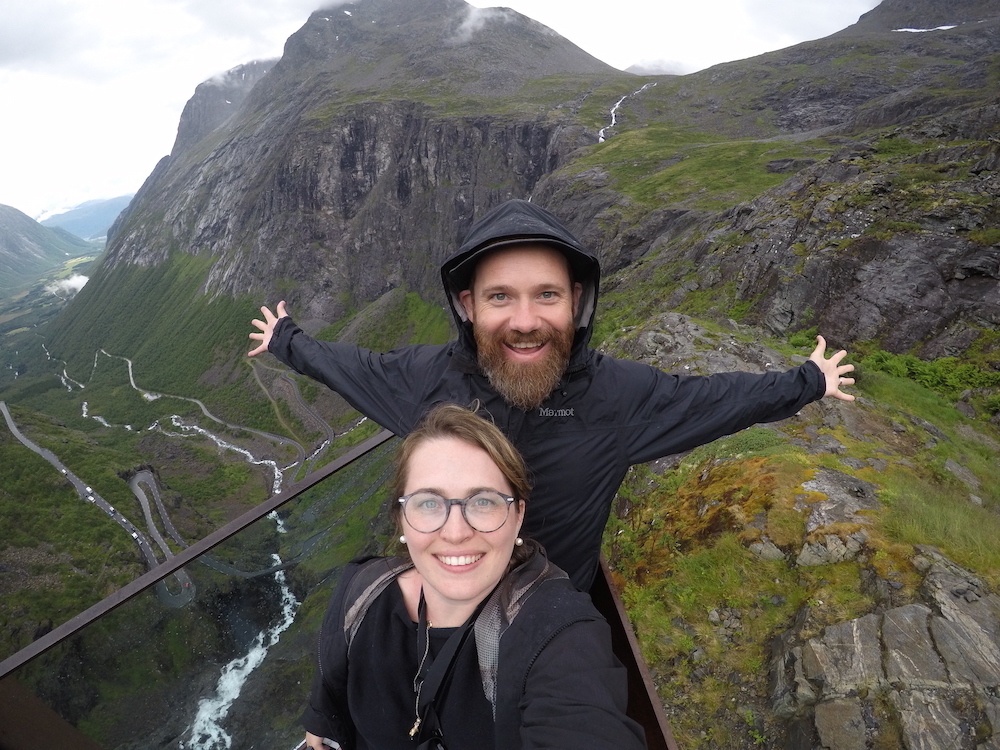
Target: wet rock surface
927	672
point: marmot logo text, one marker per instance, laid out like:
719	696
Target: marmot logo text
543	412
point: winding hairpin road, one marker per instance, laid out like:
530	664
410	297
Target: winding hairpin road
144	481
88	494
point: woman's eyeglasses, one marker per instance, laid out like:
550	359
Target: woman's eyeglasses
483	510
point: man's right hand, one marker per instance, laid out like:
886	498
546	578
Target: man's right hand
833	371
266	327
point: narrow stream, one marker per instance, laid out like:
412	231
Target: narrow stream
614	111
186	429
207	732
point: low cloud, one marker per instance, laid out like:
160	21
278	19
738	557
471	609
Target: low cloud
659	67
67	287
476	20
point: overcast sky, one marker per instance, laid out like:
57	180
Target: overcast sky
92	90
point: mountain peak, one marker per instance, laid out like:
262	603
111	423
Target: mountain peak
215	100
376	43
923	15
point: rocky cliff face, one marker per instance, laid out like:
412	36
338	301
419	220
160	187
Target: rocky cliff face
869	252
867	247
215	101
344	153
342	172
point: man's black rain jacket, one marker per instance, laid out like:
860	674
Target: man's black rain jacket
604	416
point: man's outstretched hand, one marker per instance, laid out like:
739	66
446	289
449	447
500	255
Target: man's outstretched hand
266	327
832	369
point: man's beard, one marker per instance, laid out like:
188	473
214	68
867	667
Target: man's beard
524	385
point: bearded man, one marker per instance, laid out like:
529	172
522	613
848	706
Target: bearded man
523	292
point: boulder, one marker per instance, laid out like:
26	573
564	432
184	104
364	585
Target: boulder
928	669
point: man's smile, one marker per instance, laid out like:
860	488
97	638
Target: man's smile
525	348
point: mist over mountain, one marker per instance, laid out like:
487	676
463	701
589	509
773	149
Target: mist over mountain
28	250
848	186
216	99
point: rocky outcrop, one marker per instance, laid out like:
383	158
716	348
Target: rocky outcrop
872	249
917	666
918	673
926	672
215	101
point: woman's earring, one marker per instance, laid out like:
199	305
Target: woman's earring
402	539
518	542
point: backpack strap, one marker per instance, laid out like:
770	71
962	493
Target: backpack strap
502	607
371	579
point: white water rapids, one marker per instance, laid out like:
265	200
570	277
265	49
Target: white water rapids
207	732
177	422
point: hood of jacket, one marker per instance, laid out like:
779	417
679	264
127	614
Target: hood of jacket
517	222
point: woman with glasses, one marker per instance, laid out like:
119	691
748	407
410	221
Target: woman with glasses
472	639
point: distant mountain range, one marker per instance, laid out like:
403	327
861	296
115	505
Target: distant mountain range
90	220
29	250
